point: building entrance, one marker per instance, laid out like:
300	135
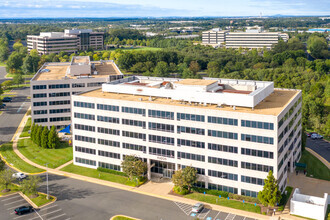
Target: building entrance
161	167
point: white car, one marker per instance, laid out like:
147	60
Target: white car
316	136
198	207
19	175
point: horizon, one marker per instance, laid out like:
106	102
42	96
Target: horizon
17	9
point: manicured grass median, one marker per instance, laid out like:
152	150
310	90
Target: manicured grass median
314	166
42	199
13	189
41	156
12	158
27	127
224	202
97	174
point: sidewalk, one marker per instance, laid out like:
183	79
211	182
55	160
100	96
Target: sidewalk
159	190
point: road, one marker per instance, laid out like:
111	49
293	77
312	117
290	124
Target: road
78	199
13	114
321	147
2	74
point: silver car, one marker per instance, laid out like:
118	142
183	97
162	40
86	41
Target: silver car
198	207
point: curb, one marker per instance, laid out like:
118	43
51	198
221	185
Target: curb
54	200
324	161
113	217
28	200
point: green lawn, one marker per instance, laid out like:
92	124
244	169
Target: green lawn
315	167
97	174
42	199
27	127
120	217
13	188
24	75
224	202
41	156
12	158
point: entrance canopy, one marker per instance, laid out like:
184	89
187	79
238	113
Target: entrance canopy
301	165
66	130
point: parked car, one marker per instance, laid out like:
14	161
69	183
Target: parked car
309	134
316	136
19	175
198	207
3	105
23	209
7	99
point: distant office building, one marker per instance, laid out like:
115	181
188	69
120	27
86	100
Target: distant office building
214	37
232	131
253	37
70	41
52	87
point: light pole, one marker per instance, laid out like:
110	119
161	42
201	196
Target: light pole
47	181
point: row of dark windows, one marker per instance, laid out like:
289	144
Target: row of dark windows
222	134
58	86
131	110
85	150
161	114
161	152
222	188
221	120
132	122
190	117
109	154
86	161
259	167
161	139
221	161
108	119
108	131
257	124
161	127
59	94
40	112
84	116
224	148
189	143
223	175
190	130
252	180
60	119
257	153
134	135
109	166
40	120
108	107
84	138
59	111
257	139
135	147
84	127
40	95
60	102
84	104
108	142
190	156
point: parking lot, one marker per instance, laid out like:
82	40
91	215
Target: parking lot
208	214
9	203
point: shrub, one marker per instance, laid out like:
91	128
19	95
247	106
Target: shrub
180	191
245	198
210	191
111	171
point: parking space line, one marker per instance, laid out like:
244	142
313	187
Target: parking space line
19	217
57	216
216	215
49	207
203	215
38	214
18	206
230	216
10	198
14	202
186	208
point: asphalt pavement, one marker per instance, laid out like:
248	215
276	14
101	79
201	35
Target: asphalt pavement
84	200
2	74
13	114
320	146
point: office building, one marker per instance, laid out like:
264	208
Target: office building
54	83
252	38
232	131
70	41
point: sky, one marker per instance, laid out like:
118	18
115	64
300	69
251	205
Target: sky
159	8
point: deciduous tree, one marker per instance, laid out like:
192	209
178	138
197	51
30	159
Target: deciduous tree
133	166
6	178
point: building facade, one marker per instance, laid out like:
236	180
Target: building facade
232	131
70	41
54	84
253	37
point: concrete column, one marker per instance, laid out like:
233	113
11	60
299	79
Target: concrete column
149	169
291	164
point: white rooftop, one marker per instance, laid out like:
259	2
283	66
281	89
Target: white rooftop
243	93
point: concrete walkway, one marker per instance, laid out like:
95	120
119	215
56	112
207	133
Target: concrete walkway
159	190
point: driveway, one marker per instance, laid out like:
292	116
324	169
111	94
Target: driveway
13	114
321	147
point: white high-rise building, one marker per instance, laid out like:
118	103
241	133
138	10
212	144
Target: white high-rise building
52	86
232	131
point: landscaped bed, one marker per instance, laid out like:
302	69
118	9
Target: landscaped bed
224	202
99	175
41	199
54	157
13	159
121	217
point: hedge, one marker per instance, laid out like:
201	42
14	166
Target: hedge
245	198
210	191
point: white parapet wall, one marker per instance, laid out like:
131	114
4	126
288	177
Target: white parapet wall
309	206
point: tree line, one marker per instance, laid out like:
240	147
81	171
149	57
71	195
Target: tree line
43	137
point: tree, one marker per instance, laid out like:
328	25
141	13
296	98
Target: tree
18	79
270	195
14	62
53	139
133	166
194	67
38	136
6	178
17	46
33	131
31	185
318	47
4	52
2	165
161	69
185	178
44	137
